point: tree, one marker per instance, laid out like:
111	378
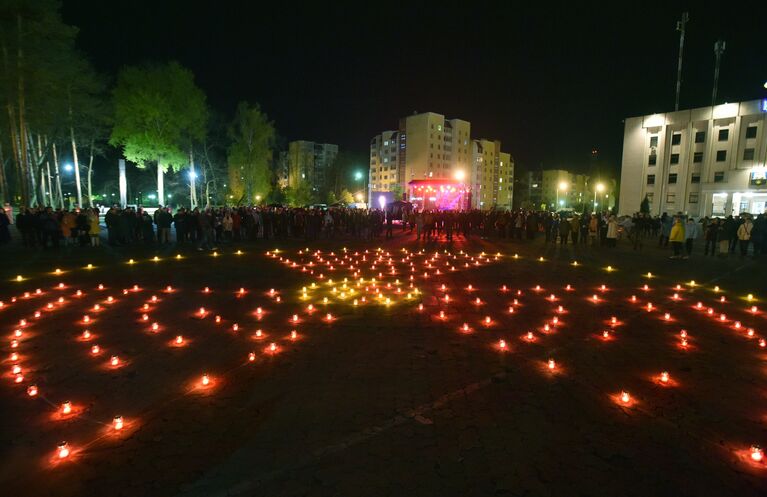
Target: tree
346	197
158	110
300	195
33	43
250	153
349	171
644	207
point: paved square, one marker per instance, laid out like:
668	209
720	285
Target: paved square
478	369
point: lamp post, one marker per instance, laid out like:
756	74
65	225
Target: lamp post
358	177
561	186
599	187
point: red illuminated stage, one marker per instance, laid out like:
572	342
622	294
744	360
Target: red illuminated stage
439	194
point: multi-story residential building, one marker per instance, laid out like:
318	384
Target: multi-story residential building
563	189
309	162
428	146
709	161
384	163
492	176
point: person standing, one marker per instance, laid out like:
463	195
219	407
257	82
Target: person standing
712	231
691	232
611	235
744	235
94	228
575	226
677	238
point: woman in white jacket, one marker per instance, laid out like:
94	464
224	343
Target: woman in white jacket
744	236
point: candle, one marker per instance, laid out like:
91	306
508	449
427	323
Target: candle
756	453
502	344
95	350
252	356
179	339
552	364
63	450
664	377
32	390
625	397
115	361
117	422
66	407
205	379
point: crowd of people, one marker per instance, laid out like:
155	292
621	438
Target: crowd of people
205	228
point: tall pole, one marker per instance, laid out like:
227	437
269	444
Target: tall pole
680	26
719	47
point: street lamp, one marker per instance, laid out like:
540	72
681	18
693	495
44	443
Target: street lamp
460	175
562	186
68	167
600	187
358	177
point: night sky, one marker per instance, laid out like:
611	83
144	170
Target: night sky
551	84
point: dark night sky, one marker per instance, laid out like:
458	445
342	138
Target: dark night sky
550	83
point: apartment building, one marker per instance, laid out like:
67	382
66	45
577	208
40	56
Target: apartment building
309	161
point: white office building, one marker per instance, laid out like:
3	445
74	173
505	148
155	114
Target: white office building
709	161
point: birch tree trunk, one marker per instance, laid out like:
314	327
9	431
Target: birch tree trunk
4	194
32	166
48	170
74	157
160	182
192	178
90	176
58	176
13	136
22	117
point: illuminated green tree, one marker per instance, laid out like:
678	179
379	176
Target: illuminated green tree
250	153
159	111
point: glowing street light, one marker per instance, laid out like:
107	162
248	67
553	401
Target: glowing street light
561	186
600	187
460	175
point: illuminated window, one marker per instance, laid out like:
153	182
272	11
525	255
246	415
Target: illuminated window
758	177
